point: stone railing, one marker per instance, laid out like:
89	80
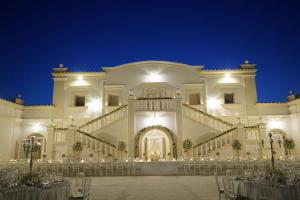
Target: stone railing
206	119
95	144
248	136
104	120
155	104
89	142
217	143
60	135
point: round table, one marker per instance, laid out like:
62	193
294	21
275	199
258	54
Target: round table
57	191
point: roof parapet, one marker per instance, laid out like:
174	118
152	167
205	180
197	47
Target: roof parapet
60	68
247	65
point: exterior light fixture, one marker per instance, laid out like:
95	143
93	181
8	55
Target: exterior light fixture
36	127
79	77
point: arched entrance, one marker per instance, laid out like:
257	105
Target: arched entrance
155	142
40	141
278	139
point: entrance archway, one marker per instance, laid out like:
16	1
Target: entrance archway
155	142
40	141
278	139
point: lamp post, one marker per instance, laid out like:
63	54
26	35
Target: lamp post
30	146
271	148
272	151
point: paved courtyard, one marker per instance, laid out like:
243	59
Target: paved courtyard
154	188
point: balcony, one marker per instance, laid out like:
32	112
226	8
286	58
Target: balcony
155	104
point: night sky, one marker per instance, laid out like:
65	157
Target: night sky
85	35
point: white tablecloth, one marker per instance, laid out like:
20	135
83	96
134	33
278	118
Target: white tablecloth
58	191
250	190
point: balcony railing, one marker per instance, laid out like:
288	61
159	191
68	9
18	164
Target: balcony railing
161	104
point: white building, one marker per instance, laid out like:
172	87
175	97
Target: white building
153	106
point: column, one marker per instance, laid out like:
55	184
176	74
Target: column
262	136
130	138
50	142
179	125
70	141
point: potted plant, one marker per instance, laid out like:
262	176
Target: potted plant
187	146
169	155
248	155
218	154
289	144
77	148
121	147
236	146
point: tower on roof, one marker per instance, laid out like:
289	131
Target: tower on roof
247	65
60	68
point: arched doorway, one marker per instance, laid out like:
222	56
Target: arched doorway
155	142
278	139
40	141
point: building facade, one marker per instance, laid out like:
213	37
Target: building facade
152	106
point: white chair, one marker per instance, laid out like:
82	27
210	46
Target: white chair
81	188
220	190
187	168
109	167
266	192
228	188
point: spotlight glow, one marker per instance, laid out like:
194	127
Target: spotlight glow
275	124
213	102
36	127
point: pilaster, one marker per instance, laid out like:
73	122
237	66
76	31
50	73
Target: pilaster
130	114
50	142
179	125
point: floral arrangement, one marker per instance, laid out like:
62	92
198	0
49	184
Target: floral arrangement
121	146
289	144
277	176
32	179
187	145
236	145
77	147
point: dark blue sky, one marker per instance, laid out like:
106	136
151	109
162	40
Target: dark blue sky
85	35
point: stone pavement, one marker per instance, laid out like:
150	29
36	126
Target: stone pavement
154	188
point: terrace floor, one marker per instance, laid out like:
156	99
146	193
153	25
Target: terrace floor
154	188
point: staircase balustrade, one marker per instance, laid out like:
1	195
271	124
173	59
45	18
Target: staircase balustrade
206	119
104	120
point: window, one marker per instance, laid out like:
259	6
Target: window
228	98
195	99
79	101
113	100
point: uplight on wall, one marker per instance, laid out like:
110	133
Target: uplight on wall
213	102
154	76
227	78
275	124
80	81
95	105
152	120
36	127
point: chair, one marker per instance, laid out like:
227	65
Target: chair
228	188
82	187
220	190
119	168
187	168
109	167
265	192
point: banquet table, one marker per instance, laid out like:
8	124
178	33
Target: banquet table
250	190
57	191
